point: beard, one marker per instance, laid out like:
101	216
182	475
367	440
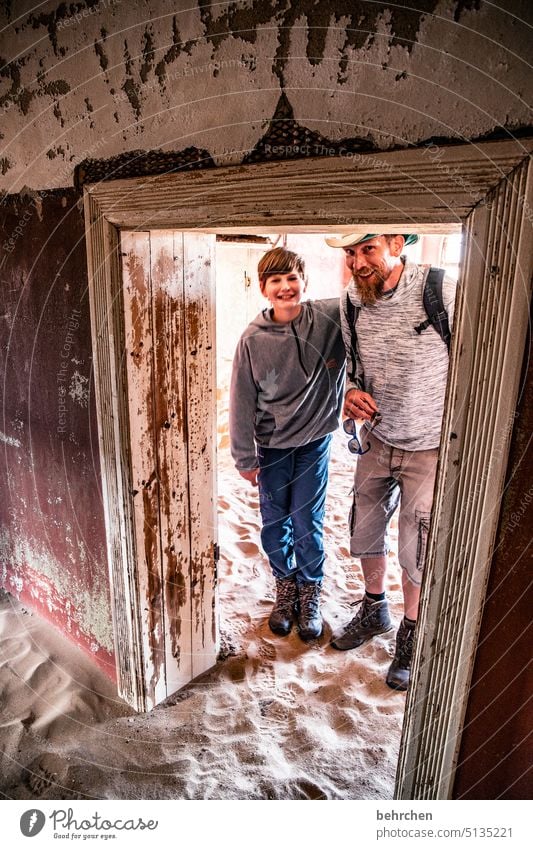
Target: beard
370	288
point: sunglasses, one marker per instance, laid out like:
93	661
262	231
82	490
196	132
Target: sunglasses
350	428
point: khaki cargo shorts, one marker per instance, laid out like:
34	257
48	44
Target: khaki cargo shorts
385	477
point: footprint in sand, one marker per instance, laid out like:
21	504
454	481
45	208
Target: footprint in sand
237	627
227	647
304	789
267	651
249	549
330	694
263	677
277	717
273	711
289	695
235	669
45	772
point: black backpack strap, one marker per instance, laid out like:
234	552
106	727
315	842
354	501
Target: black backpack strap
436	313
351	314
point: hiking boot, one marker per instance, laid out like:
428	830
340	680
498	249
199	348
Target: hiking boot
372	618
283	613
400	669
309	617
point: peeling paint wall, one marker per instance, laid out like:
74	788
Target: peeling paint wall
52	538
97	78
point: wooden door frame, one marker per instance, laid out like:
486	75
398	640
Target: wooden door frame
486	188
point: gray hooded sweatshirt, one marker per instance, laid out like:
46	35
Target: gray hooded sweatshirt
287	382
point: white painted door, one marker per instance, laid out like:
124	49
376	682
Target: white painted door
169	376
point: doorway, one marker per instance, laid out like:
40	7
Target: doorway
489	204
336	705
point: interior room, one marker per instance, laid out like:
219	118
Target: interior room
144	152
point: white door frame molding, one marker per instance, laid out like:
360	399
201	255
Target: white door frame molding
485	188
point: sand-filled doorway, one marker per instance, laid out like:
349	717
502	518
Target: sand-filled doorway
329	716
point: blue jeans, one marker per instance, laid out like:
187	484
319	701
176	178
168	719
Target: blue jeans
292	496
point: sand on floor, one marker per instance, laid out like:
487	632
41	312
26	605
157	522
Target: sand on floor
275	719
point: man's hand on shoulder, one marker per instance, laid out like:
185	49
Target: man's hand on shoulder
359	405
250	475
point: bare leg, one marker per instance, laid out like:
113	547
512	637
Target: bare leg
374	569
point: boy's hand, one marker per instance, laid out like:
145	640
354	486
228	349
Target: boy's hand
249	475
359	405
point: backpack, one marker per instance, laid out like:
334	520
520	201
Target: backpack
437	316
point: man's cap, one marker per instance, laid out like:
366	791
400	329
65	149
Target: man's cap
352	239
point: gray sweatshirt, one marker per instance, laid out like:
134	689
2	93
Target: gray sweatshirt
404	372
287	382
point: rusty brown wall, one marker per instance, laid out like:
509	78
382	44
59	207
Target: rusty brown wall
52	540
496	751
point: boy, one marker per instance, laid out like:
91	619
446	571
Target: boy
286	394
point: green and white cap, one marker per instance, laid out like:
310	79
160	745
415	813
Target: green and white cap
352	239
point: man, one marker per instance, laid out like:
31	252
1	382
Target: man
397	371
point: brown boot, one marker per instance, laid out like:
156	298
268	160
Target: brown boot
372	618
283	614
399	673
309	617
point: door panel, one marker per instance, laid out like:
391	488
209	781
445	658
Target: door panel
199	264
144	487
168	307
170	418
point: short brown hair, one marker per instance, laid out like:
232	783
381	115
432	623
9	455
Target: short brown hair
280	261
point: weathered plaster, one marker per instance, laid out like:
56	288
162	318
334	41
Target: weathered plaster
29	571
92	80
454	81
52	546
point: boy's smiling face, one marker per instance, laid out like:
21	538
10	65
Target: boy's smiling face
285	292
